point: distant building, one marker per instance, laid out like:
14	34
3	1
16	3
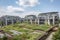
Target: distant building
49	18
30	18
44	18
6	20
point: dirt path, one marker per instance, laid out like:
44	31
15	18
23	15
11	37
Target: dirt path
50	36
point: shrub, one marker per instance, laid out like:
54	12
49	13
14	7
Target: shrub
5	38
56	36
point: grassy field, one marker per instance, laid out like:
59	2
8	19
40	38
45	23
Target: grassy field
27	31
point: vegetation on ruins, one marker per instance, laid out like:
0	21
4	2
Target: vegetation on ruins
56	36
27	31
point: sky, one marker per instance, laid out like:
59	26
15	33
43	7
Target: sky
28	7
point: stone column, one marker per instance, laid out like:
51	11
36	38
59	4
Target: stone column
6	21
12	21
38	21
35	21
48	21
31	21
53	20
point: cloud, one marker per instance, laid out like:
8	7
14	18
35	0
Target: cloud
51	0
30	13
14	9
26	3
10	10
4	11
20	11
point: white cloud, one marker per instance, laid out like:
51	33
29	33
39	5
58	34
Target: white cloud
5	12
30	13
13	9
26	3
51	0
10	10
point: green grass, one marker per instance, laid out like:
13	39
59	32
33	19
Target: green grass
26	29
37	27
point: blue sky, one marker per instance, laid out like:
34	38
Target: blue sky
26	7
